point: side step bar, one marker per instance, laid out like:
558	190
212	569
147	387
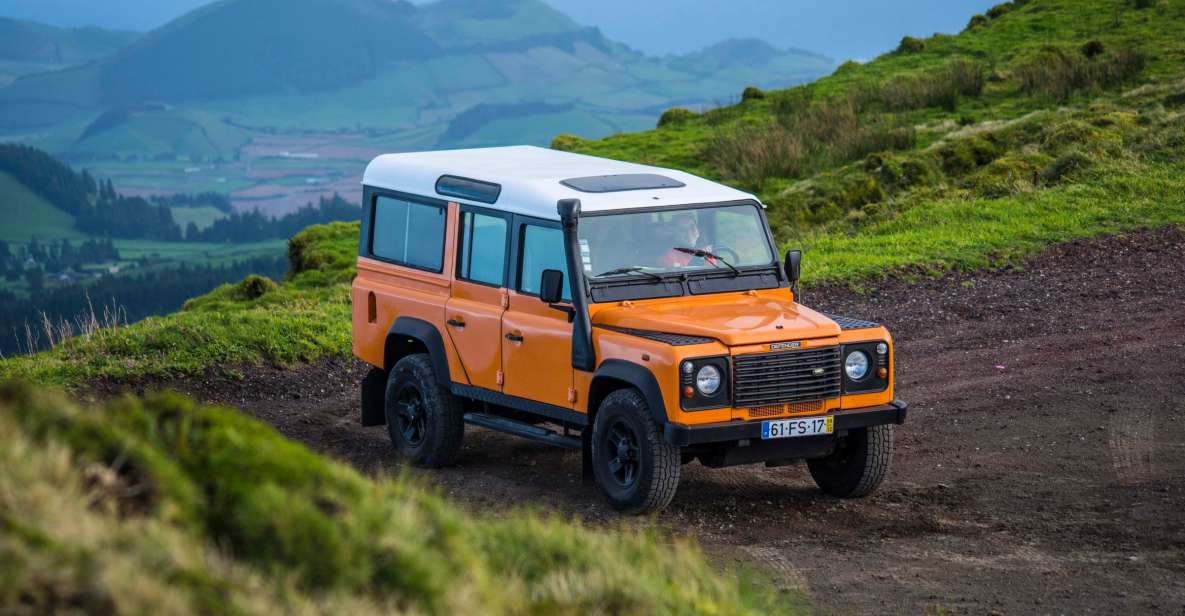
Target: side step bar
525	430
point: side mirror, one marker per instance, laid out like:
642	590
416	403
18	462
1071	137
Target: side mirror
551	286
793	265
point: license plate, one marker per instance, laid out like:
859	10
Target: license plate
790	428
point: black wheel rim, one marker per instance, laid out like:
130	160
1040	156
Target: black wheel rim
409	411
622	454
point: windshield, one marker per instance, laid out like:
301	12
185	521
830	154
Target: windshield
674	240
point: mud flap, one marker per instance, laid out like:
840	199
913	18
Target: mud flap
586	468
374	393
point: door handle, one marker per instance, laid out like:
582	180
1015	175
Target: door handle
514	337
456	323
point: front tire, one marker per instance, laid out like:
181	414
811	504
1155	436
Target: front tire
858	465
424	419
636	469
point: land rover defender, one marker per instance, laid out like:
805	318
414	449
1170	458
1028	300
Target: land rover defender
637	314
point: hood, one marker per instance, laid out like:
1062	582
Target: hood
734	320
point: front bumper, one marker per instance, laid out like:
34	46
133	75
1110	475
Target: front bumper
732	431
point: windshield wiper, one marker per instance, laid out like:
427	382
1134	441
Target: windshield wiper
703	254
629	270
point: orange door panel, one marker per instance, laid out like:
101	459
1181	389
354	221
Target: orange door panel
537	352
473	321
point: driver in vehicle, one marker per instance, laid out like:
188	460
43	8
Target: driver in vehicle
686	237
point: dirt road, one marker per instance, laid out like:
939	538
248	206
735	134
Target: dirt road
1042	469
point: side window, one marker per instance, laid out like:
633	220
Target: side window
408	233
481	253
542	248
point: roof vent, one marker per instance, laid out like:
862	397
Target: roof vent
465	188
622	182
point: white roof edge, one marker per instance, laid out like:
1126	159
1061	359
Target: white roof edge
530	178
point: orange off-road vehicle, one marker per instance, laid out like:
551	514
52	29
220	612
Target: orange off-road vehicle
637	314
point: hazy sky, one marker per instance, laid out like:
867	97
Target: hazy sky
844	29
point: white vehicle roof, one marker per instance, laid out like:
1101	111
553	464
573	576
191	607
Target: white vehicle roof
531	178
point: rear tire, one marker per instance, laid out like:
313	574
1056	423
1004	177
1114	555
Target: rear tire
424	419
858	465
636	469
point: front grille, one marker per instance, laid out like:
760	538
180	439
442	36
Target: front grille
777	410
779	378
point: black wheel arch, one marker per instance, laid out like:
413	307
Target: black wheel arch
410	335
614	374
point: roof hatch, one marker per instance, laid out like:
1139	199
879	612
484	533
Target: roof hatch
622	182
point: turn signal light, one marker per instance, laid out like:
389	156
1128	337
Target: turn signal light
688	391
882	373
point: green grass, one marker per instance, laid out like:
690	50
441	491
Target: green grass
26	214
163	506
979	233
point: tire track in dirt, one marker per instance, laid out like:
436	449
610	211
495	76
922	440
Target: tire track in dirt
1042	469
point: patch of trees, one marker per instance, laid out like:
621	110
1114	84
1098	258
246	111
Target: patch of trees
115	215
218	201
134	295
51	258
254	226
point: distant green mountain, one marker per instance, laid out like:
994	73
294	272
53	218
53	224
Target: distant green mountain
410	73
28	47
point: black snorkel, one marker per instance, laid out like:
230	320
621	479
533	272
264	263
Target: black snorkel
583	357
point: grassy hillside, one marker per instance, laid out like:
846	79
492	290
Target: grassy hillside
28	214
28	47
163	506
1038	123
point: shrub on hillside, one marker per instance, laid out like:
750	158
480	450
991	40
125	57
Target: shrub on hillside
1066	166
847	66
910	44
897	174
788	103
822	134
1091	49
1058	75
963	156
675	115
566	142
941	88
1143	4
976	21
1008	175
1000	10
254	287
752	93
1080	135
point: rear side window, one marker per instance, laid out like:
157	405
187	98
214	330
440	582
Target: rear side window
542	248
408	233
482	250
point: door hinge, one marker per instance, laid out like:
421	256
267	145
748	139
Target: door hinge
571	395
505	301
499	377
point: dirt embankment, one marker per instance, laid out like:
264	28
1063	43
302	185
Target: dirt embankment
1042	469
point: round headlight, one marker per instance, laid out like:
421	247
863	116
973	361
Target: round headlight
856	365
882	348
707	380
